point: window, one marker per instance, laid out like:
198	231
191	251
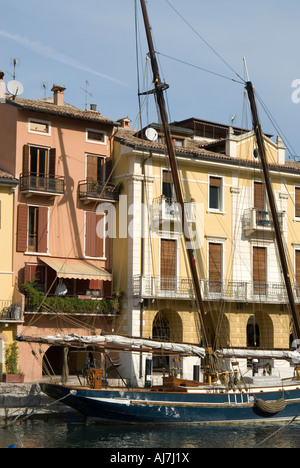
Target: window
297	202
167	185
32	231
259	271
95	168
297	267
94	243
179	142
38	161
95	136
215	193
39	126
215	267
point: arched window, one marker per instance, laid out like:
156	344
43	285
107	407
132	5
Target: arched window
161	332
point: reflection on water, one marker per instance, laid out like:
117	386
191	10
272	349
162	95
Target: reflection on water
76	433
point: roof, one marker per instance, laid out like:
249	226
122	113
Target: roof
7	179
66	110
194	149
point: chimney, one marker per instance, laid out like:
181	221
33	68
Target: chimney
125	123
58	95
93	107
2	87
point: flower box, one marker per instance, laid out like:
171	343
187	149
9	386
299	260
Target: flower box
13	378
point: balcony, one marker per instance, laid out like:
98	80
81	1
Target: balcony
51	186
10	312
157	287
166	214
256	221
92	191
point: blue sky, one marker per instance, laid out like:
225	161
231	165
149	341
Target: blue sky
69	42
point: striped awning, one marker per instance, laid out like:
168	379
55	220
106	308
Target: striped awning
76	269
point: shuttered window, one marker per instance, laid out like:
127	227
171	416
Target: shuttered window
95	167
259	270
297	202
32	229
167	185
94	244
167	264
215	267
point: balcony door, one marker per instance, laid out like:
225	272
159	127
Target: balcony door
215	267
260	203
168	264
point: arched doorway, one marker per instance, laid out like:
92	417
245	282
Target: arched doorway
167	326
253	333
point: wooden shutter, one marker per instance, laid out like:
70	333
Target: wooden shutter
22	228
168	264
92	167
94	245
167	177
297	202
215	182
42	233
52	162
26	154
215	267
297	266
259	196
259	270
99	248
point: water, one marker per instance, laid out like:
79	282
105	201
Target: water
73	432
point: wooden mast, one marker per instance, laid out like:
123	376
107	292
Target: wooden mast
272	203
159	91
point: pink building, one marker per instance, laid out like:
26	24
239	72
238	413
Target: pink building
62	158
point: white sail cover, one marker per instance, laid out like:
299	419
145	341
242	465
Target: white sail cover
123	341
190	349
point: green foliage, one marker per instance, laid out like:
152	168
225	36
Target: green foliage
37	301
11	361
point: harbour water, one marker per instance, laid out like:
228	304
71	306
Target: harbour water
73	432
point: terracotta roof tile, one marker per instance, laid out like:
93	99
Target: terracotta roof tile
66	110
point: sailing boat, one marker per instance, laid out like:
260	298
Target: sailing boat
216	400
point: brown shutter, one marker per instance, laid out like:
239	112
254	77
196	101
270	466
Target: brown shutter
215	181
215	267
297	202
297	266
168	264
52	162
259	196
26	153
92	167
259	270
167	177
22	228
43	230
90	234
99	247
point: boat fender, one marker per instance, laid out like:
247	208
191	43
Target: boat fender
271	407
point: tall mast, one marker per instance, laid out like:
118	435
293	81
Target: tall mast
272	203
159	91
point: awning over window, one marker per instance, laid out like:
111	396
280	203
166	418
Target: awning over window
76	269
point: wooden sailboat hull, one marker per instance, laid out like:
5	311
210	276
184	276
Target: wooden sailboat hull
202	407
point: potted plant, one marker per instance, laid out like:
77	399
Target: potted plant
12	374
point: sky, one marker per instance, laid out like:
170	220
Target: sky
91	46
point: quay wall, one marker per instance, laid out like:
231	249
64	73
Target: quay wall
26	400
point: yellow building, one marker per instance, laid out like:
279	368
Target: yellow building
7	300
233	240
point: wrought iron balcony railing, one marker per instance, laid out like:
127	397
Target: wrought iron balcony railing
42	185
10	311
255	220
89	190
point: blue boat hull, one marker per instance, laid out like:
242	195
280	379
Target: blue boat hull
162	407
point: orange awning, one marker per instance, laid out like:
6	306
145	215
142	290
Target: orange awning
76	269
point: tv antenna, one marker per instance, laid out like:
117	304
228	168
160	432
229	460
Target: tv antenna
15	62
87	93
44	87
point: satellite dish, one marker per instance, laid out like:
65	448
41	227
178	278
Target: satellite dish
151	134
15	88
